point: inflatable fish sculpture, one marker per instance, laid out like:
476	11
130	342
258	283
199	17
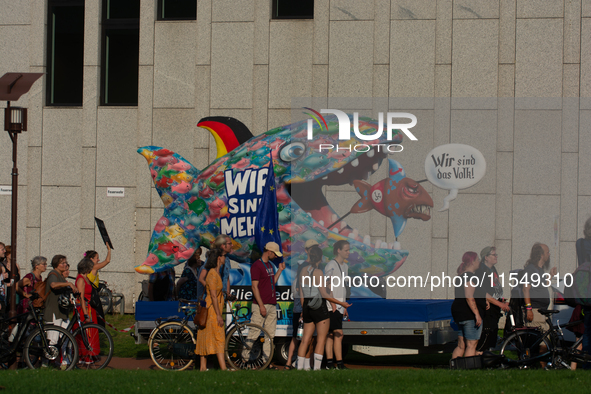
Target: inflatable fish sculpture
224	196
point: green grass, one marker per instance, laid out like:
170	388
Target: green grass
123	341
352	381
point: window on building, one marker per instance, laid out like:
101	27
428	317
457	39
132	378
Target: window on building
120	52
293	9
65	52
177	10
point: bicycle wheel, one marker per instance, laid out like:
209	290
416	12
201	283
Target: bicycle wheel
106	296
95	346
172	346
249	346
54	347
523	348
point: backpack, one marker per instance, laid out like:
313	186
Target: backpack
41	289
579	291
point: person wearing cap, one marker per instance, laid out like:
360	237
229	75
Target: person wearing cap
493	289
264	278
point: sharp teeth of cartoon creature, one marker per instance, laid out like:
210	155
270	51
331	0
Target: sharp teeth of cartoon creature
367	240
371	153
378	244
325	178
355	163
343	224
334	218
341	171
375	166
321	223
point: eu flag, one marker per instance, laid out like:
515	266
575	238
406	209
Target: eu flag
267	219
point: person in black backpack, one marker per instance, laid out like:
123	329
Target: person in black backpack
493	289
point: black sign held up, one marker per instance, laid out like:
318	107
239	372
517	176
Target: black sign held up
103	230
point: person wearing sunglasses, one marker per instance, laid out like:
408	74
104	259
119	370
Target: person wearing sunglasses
493	289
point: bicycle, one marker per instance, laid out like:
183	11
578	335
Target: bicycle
144	292
172	343
41	345
94	342
521	349
106	296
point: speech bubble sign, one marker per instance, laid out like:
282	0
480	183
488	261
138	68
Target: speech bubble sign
453	167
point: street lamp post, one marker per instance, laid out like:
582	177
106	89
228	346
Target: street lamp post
12	87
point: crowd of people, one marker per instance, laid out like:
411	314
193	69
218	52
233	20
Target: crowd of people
477	307
317	309
56	284
55	294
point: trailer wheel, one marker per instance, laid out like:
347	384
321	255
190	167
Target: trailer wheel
282	350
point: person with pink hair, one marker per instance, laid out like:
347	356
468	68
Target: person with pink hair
468	307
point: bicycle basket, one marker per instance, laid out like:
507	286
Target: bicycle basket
64	302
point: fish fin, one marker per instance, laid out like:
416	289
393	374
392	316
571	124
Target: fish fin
363	204
396	171
229	133
144	269
166	192
398	222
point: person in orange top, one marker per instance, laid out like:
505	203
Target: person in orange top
211	339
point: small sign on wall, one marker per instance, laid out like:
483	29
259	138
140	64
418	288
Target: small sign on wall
5	190
115	192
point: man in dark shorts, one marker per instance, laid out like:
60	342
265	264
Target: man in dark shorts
336	268
298	301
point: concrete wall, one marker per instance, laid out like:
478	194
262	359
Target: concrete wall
438	56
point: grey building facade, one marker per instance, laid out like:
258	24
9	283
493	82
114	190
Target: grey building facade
509	77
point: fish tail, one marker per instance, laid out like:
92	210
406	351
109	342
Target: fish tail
177	207
164	184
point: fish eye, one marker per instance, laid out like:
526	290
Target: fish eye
292	151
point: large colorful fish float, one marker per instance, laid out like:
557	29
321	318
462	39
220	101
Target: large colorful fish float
224	196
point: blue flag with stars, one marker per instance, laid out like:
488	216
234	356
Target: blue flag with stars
267	219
